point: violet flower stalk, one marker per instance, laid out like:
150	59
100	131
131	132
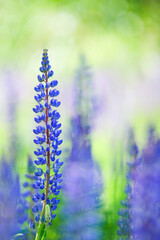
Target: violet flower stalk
125	213
47	174
82	178
12	208
146	208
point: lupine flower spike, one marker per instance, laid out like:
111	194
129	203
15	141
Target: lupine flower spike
48	131
125	213
146	208
12	209
83	183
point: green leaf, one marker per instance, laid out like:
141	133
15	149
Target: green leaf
18	235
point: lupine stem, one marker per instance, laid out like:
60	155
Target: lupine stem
40	232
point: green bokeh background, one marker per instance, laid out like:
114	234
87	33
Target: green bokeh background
120	39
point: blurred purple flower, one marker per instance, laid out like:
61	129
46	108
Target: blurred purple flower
125	213
12	207
145	219
82	177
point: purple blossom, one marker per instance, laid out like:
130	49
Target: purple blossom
146	206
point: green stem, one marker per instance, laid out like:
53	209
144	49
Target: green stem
40	232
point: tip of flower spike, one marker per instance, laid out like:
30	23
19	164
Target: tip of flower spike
45	52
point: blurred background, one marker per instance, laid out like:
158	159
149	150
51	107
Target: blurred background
120	40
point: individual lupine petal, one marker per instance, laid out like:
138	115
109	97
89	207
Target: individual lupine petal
39	172
53	207
35	110
42	160
58	152
43	94
43	196
39	108
52	157
38	119
42	69
48	67
47	85
48	201
43	63
54	83
39	129
38	98
31	224
40	151
25	184
51	137
35	209
45	58
55	103
53	93
57	133
54	144
55	115
59	163
35	186
59	142
56	192
35	199
53	216
54	123
40	79
39	87
40	140
42	186
50	113
58	126
37	218
50	73
50	181
43	117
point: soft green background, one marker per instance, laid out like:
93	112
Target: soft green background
120	39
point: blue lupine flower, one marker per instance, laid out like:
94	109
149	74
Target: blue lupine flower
125	213
12	207
48	178
145	219
82	178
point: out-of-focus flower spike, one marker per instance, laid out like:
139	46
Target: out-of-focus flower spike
13	208
82	178
124	223
145	220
